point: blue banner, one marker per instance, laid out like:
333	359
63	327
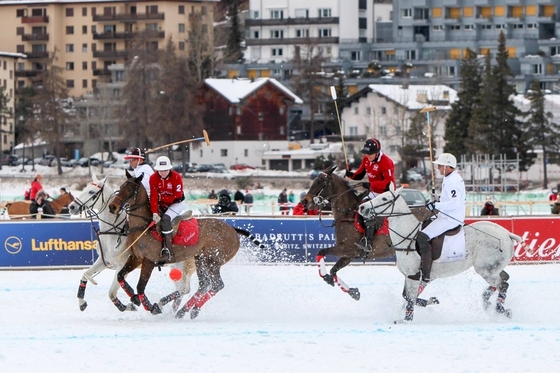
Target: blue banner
55	243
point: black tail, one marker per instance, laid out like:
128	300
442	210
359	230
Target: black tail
250	236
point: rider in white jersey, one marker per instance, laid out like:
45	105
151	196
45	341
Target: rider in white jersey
136	158
452	211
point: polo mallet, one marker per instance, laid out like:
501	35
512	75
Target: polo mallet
334	97
427	110
205	138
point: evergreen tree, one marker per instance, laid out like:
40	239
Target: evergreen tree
5	112
24	115
479	140
458	120
233	52
545	133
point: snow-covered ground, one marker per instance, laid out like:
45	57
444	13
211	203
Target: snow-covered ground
282	318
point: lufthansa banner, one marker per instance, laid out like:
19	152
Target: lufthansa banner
54	243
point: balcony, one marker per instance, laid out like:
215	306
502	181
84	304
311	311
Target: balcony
27	73
35	19
101	72
31	55
128	17
290	41
110	54
292	21
35	37
129	35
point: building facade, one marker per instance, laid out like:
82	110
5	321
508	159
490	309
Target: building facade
92	35
8	62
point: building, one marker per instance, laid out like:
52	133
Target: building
384	111
246	109
8	63
92	35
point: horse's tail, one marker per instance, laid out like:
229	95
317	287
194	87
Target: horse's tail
250	236
516	237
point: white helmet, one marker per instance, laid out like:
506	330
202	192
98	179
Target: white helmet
446	159
163	163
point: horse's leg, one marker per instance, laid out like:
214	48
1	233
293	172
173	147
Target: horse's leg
332	277
96	268
502	294
183	286
145	274
204	292
410	294
128	267
216	284
113	290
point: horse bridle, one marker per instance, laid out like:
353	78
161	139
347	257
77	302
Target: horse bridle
322	201
129	208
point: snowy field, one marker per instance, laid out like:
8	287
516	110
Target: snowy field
282	319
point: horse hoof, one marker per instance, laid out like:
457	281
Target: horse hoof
131	307
354	293
180	314
433	300
155	309
329	279
83	306
134	299
194	312
402	321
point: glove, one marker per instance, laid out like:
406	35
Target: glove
365	186
156	217
431	206
349	173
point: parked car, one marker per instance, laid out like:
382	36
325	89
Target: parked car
121	164
47	160
190	167
241	166
83	162
413	176
413	198
9	159
22	160
219	174
34	160
203	168
219	166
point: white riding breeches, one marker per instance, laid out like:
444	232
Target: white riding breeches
438	226
175	210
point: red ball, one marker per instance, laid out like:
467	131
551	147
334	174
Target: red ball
175	274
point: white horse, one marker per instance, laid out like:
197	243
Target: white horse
111	246
489	249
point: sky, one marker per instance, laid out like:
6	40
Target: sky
281	318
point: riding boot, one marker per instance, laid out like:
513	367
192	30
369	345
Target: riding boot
425	248
366	243
167	232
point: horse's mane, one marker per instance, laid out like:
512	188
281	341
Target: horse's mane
339	182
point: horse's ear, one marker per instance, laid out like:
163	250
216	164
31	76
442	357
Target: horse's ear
128	176
391	187
139	178
399	190
330	170
94	177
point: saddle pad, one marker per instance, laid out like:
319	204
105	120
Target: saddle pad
187	234
453	248
384	230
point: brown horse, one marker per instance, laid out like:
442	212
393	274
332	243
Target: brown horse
20	209
344	201
218	243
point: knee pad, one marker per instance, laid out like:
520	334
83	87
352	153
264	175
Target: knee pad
166	224
423	242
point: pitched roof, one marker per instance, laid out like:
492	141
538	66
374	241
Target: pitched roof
235	90
407	96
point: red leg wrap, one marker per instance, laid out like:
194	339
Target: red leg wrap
203	299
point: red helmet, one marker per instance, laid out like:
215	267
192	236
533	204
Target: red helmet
134	154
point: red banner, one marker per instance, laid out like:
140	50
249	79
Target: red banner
541	235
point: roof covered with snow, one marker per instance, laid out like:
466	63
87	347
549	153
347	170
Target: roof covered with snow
438	95
235	90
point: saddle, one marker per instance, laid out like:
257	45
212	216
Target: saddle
437	242
185	230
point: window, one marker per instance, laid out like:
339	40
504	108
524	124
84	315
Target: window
20	48
324	32
70	83
181	45
395	110
302	13
69	65
84	48
84	30
383	130
69	48
383	110
302	33
437	28
181	9
536	69
277	52
406	13
353	131
276	34
94	83
152	26
329	51
355	55
554	51
69	12
203	10
277	14
486	27
84	65
368	110
93	29
256	14
356	110
69	30
223	152
256	34
84	12
181	27
468	27
498	26
324	12
518	26
94	65
531	25
93	47
454	27
20	13
411	55
84	83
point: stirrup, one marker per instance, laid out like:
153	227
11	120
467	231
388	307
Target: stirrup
365	249
165	254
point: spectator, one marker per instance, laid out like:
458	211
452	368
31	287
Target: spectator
239	197
65	208
489	209
212	195
224	204
41	205
553	195
283	202
300	210
248	200
36	187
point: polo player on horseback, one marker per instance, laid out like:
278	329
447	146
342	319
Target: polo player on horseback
380	171
166	193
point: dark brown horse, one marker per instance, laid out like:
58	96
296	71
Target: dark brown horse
20	209
344	203
218	243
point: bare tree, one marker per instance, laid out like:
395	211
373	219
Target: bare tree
5	113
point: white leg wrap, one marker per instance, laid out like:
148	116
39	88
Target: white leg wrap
322	267
342	284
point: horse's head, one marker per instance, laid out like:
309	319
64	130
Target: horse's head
128	194
321	189
382	205
89	198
